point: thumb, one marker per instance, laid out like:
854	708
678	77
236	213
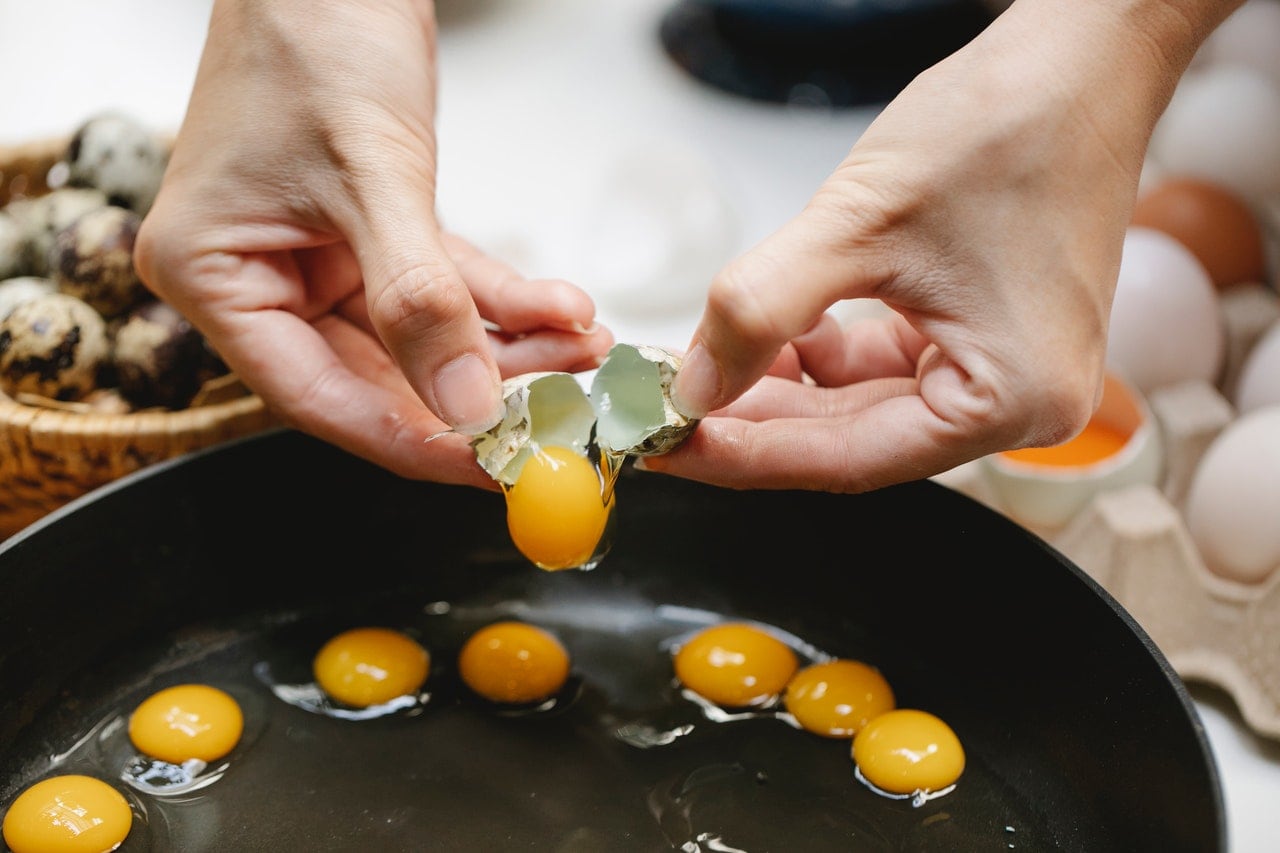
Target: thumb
772	294
422	310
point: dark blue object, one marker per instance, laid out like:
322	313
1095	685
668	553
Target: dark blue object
817	52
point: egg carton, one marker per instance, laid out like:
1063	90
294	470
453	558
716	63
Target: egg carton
1135	543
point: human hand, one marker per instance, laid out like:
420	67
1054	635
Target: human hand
296	229
986	206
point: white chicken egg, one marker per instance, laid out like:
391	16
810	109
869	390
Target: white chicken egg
1222	124
1233	499
1259	381
1249	37
1166	320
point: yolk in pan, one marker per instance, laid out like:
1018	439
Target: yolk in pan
837	698
556	510
513	663
735	665
67	814
906	750
370	666
186	721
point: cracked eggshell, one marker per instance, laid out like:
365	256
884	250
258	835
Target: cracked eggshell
631	393
627	411
546	408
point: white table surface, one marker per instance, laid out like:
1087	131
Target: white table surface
543	105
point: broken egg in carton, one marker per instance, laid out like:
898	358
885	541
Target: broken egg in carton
559	448
1193	556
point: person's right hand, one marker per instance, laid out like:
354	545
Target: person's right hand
296	228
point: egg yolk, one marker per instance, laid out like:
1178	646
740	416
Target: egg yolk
837	698
186	721
556	510
735	665
513	663
370	666
67	814
905	750
1093	444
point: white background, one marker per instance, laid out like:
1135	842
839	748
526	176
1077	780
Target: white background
570	145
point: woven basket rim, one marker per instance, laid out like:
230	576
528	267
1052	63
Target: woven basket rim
142	422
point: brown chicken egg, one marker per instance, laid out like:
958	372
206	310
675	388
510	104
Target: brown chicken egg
1217	225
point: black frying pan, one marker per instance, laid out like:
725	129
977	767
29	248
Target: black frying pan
240	561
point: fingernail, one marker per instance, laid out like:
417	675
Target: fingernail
468	398
697	384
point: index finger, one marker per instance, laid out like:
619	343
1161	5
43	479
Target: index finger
424	314
776	292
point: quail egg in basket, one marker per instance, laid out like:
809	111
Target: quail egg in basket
559	447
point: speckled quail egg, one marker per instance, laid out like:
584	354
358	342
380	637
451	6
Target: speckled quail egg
159	358
92	258
42	217
120	156
558	450
628	412
52	346
20	289
13	247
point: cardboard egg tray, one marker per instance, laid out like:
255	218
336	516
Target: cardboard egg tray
1134	542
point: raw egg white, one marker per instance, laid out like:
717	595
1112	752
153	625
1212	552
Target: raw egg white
514	663
905	751
837	698
187	721
558	509
68	814
735	665
1215	223
1166	320
1233	500
370	666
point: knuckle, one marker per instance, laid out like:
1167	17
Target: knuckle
419	295
732	298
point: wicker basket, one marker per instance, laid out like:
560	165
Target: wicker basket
50	456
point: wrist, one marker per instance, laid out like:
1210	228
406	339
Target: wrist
1114	63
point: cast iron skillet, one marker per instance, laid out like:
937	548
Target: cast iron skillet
232	565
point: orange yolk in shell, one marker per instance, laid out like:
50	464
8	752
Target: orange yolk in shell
556	510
